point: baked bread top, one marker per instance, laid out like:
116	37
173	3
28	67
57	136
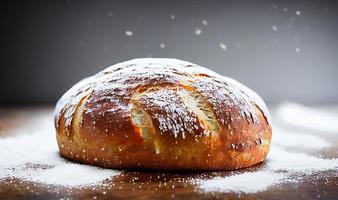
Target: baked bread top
160	113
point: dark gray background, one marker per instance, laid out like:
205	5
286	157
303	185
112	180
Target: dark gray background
47	46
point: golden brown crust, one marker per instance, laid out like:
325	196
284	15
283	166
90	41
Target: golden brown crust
162	114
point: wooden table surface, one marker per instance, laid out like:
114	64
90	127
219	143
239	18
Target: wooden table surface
148	184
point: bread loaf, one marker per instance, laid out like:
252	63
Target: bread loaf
162	114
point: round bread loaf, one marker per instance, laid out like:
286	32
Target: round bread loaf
162	114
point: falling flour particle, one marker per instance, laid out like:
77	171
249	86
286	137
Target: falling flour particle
297	49
80	42
129	33
198	31
34	157
298	12
204	22
162	45
223	46
287	161
274	28
275	6
172	17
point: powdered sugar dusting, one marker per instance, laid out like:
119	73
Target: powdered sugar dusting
129	33
308	118
282	166
198	31
123	79
34	157
292	156
297	162
223	46
246	182
73	175
292	139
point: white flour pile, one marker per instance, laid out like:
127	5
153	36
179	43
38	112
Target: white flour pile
309	118
282	165
249	182
34	157
288	160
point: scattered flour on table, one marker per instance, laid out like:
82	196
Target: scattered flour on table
246	182
34	157
290	158
282	165
315	119
293	139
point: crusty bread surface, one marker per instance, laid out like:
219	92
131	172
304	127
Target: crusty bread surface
162	114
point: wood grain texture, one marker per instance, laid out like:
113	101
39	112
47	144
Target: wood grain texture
150	184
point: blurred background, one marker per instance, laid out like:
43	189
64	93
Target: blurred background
284	50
